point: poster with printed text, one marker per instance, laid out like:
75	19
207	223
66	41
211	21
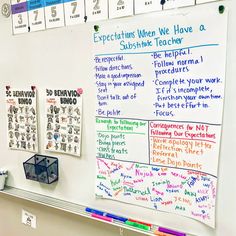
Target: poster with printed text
22	119
63	121
159	103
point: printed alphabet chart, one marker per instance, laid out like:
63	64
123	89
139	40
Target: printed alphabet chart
160	92
22	119
63	121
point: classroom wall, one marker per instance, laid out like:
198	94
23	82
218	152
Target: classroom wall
60	223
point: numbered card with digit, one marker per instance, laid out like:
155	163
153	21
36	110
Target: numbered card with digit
96	10
178	3
36	15
143	6
54	13
19	16
120	8
74	12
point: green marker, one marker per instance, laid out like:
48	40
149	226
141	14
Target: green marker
137	225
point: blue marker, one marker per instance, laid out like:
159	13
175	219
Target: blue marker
119	218
101	213
90	210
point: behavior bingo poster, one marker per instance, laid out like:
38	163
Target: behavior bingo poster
22	119
63	121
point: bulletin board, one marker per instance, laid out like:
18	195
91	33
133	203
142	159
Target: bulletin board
65	58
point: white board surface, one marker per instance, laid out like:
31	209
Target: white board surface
65	59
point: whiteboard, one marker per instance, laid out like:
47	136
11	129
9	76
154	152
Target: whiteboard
62	58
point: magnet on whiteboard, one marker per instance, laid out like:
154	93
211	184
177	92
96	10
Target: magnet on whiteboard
80	90
96	28
163	2
221	9
6	10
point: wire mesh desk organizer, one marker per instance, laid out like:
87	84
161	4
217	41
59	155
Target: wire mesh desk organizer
41	168
3	176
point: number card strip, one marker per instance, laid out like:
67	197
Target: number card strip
143	6
96	10
54	13
74	12
36	15
19	8
19	18
120	8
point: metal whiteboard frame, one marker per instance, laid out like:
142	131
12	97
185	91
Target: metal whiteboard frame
69	207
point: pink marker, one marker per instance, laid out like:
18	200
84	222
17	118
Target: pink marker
101	217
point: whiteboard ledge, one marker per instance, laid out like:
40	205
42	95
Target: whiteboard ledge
68	207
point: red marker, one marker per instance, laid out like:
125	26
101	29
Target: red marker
140	222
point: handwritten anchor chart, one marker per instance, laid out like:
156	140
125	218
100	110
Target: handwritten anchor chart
22	119
159	95
63	111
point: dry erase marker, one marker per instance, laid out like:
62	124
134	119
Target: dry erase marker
137	225
90	210
119	218
140	222
158	233
170	231
101	217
